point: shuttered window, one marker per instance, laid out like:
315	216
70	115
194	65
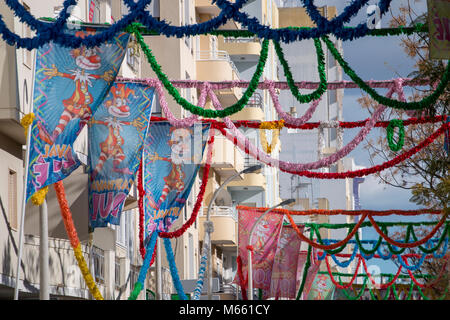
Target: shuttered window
12	198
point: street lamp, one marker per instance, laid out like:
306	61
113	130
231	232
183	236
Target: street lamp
209	228
250	271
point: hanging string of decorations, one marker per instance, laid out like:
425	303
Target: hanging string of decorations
229	11
391	290
275	127
252	86
74	240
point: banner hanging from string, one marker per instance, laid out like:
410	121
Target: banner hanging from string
116	139
172	158
284	271
264	244
69	85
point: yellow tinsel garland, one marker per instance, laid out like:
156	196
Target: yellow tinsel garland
39	196
276	126
26	122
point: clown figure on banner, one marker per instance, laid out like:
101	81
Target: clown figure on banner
69	85
116	136
78	106
172	159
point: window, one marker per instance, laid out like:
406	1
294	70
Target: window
117	273
332	96
186	21
27	34
134	270
133	53
12	199
333	134
331	60
122	230
99	264
94	11
25	97
156	110
191	256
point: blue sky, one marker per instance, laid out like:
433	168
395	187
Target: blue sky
378	59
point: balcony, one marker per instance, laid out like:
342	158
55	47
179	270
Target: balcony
241	49
205	7
255	182
227	160
10	114
225	225
216	65
252	111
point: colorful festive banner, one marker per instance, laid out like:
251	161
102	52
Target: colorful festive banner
322	288
264	243
69	85
172	158
116	137
312	271
439	28
284	272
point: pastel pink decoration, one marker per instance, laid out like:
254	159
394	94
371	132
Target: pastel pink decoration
265	240
284	271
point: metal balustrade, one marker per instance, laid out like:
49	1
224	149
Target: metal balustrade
216	55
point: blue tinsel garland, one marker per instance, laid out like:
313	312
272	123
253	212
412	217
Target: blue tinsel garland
344	264
54	31
173	269
148	258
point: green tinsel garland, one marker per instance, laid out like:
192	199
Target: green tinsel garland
207	113
383	226
415	105
136	28
392	288
390	134
316	94
305	271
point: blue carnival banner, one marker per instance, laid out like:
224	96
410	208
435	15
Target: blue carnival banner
172	158
116	137
69	85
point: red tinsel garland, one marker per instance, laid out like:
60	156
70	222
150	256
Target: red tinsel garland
407	244
355	229
342	212
242	280
141	192
314	125
429	284
335	282
367	171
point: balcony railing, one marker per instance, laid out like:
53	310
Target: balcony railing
255	101
240	40
216	55
222	211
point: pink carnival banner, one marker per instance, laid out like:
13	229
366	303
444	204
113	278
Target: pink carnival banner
286	263
265	240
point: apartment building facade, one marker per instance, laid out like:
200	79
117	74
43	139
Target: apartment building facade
112	252
217	58
316	193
